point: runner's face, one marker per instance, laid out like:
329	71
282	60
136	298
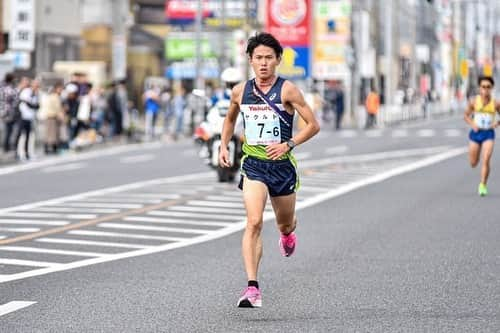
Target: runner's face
485	88
264	62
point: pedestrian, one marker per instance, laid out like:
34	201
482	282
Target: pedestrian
152	107
9	111
268	103
28	107
179	104
339	105
372	105
480	115
52	113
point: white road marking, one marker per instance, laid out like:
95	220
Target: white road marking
122	200
64	167
31	263
216	204
121	188
150	228
426	133
174	221
137	158
50	215
50	251
336	150
102	205
240	225
86	242
69	209
145	195
19	229
14	306
348	133
193	215
224	198
374	133
399	133
37	222
452	132
124	235
374	156
208	210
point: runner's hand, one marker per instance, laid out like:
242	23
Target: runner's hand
475	128
224	157
275	151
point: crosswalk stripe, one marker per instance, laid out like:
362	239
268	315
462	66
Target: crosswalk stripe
215	204
20	230
150	228
50	251
175	221
37	222
194	215
124	235
86	242
69	209
31	263
220	210
83	204
51	215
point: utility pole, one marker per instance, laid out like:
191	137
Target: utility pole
199	84
388	52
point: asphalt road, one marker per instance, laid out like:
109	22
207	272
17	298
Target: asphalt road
392	238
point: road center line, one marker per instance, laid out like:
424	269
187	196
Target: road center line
14	306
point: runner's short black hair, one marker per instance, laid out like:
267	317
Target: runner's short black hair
485	78
266	39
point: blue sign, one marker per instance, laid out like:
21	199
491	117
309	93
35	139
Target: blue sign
295	62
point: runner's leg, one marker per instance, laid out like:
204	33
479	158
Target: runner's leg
474	150
487	148
254	196
284	209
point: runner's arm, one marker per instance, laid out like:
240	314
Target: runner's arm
468	116
292	96
295	98
229	124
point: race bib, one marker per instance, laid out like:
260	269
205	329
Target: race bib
262	127
483	120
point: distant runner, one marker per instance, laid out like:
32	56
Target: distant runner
480	115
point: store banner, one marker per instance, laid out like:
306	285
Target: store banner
288	21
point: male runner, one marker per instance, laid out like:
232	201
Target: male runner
268	103
480	115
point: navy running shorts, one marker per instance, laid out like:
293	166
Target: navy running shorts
280	176
482	135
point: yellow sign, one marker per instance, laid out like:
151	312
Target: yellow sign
464	68
487	70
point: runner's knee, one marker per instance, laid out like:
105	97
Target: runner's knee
254	224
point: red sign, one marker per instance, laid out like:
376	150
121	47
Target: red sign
288	21
181	9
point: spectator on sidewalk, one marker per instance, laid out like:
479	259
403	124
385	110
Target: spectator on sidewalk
9	112
179	104
151	100
372	106
28	106
52	113
71	104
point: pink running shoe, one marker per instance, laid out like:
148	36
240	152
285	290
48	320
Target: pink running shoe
287	244
251	298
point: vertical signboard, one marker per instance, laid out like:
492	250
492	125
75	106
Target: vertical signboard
22	33
289	22
332	27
